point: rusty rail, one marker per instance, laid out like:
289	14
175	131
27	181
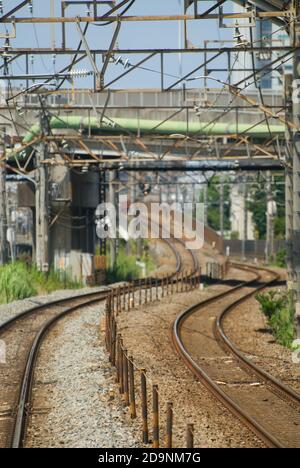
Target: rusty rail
209	383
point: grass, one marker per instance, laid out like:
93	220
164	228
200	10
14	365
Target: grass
126	268
19	280
280	259
278	308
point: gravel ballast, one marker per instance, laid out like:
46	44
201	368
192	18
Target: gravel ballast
8	311
73	395
146	334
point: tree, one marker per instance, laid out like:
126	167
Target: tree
213	196
258	207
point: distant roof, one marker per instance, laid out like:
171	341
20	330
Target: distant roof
268	5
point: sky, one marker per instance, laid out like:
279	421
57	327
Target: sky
132	35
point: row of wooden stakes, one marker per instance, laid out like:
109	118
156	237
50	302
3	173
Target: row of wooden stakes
125	298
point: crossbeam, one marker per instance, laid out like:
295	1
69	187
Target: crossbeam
145	18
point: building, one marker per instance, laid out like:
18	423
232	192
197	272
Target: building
265	34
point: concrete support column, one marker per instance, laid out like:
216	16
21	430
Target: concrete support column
42	200
289	182
295	36
3	219
222	205
112	200
245	218
270	220
205	201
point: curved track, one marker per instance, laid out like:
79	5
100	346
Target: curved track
23	336
269	408
189	260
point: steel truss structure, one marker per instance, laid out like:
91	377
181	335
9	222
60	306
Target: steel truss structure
213	59
225	123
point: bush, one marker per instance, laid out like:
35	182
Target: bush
19	280
15	283
281	258
278	308
126	269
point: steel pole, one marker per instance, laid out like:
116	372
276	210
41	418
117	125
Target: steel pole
270	220
112	200
3	218
42	199
289	183
295	36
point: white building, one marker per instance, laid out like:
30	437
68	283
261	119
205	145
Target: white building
266	34
237	215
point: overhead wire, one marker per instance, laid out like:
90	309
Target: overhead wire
131	3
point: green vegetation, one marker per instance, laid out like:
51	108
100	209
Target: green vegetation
280	259
213	196
19	280
277	306
126	268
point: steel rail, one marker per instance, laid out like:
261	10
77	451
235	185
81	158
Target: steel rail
24	398
27	381
208	382
221	335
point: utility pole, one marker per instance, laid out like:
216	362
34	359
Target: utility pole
3	218
52	26
245	219
222	205
205	201
42	198
102	199
112	200
289	182
270	220
295	37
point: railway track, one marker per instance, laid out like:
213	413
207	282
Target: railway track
188	257
23	335
268	408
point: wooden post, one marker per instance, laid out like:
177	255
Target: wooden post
169	429
190	436
128	297
114	337
121	376
124	297
155	435
146	291
125	377
140	292
144	406
131	388
118	351
133	296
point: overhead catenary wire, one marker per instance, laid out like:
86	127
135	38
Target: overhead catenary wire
145	67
